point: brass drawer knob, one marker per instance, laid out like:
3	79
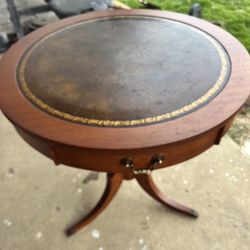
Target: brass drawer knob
158	159
127	162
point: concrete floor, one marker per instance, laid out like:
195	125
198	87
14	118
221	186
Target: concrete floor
38	200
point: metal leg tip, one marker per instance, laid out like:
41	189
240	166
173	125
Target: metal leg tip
194	214
70	231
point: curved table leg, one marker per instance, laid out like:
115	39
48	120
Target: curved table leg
113	183
146	182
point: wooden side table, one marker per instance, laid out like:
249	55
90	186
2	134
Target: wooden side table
124	92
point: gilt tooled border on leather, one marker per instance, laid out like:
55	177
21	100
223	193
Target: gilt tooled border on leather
123	123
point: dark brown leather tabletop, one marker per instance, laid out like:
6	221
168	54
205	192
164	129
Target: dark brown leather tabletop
123	71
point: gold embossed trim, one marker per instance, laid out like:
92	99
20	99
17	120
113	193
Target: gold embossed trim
124	123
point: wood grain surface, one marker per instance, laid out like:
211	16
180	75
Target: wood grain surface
101	148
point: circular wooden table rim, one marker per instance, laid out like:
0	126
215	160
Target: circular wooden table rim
222	107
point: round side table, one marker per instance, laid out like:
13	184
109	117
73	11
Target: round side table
124	92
